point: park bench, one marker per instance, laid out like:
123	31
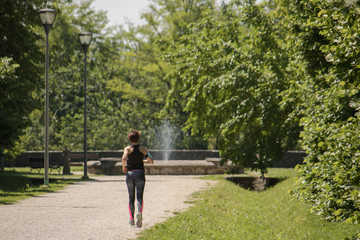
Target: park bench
38	163
76	158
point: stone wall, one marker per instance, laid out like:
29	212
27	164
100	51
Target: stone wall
171	167
185	154
58	156
290	159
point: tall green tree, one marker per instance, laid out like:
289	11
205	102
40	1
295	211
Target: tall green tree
20	66
233	68
142	79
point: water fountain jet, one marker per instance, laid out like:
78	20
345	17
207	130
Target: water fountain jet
166	136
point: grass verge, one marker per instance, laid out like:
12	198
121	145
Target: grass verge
18	183
227	211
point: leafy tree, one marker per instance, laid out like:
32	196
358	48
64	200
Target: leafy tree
20	69
233	68
142	79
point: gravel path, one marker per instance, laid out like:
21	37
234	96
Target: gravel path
96	209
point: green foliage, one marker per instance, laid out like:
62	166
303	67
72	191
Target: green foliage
106	117
127	85
33	139
331	173
139	80
324	39
232	66
142	80
68	83
9	122
19	75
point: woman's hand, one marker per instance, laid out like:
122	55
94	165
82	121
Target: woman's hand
149	160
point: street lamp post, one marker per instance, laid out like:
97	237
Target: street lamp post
85	40
47	17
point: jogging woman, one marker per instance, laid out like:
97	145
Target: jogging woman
133	166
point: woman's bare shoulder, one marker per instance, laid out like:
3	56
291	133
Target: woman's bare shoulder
142	149
128	149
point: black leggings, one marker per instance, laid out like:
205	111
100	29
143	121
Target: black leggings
136	179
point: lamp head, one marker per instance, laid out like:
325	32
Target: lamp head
85	38
47	17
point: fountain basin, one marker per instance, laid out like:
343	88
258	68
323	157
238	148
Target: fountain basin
162	167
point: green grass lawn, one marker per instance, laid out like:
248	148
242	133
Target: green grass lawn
227	211
16	183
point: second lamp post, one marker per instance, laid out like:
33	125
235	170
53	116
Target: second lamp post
85	40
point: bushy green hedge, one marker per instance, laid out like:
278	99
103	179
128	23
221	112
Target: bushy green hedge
325	40
330	178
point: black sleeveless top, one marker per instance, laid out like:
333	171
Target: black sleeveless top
135	159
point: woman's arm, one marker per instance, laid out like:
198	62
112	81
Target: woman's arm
149	158
124	158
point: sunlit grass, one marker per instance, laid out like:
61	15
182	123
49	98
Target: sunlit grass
16	183
227	211
52	172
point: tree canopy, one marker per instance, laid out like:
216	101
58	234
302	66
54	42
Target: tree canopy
20	70
232	67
